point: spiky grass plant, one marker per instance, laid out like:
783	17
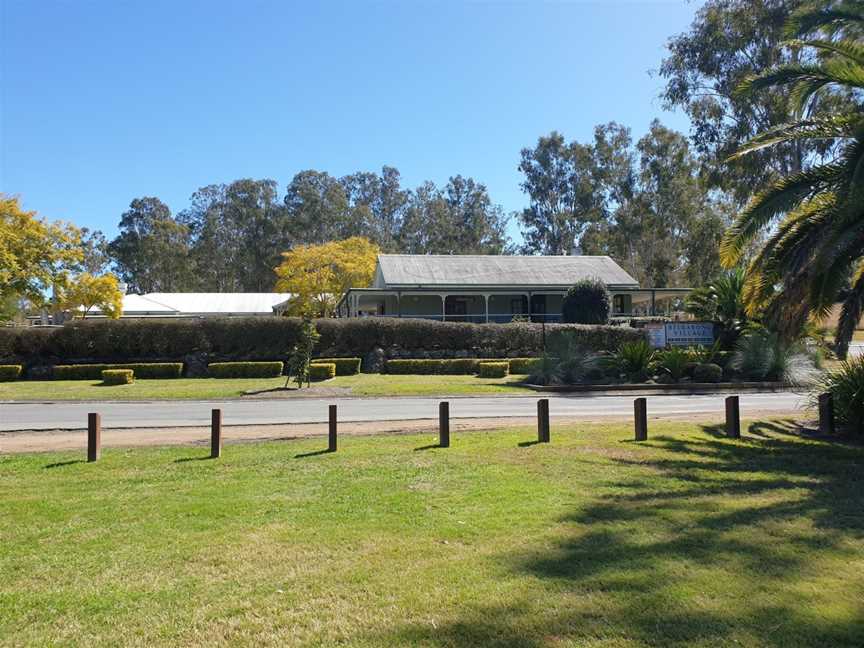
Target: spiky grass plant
846	385
764	355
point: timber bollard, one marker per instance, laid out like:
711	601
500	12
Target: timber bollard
543	420
94	436
733	417
215	433
444	424
331	434
640	415
826	414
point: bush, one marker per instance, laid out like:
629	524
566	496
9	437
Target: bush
632	361
245	369
587	302
9	373
344	366
673	363
94	371
763	355
524	365
561	337
493	369
846	386
322	371
459	366
708	373
118	377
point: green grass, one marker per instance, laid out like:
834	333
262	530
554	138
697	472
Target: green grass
205	388
688	539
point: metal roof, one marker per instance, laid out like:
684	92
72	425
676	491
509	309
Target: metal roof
416	270
214	304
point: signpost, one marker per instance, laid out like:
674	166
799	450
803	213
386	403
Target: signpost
683	334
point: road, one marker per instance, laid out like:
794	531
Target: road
62	415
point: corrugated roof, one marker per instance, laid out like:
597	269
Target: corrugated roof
488	270
179	304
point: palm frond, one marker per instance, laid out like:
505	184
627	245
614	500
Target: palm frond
850	315
816	15
832	127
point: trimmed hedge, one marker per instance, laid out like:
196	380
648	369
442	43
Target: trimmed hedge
344	366
457	366
493	369
245	369
268	338
9	373
524	365
142	370
322	371
118	377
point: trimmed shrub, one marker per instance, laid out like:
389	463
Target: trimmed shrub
562	337
587	302
9	373
322	371
142	370
118	377
458	366
493	369
708	373
245	369
344	366
524	365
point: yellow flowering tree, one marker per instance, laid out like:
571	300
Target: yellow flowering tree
317	275
87	292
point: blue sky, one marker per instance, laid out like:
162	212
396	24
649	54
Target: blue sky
104	101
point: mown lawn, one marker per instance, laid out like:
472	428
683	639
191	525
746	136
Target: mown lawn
208	388
688	540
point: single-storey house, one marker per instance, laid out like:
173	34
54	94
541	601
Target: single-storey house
487	288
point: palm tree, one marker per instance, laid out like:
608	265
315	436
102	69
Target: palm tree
721	301
815	254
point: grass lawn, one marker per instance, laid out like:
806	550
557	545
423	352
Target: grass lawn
687	540
205	388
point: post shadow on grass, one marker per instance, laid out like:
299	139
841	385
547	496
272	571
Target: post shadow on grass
596	552
60	464
186	459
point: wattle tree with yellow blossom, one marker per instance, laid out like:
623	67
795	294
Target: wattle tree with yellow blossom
318	275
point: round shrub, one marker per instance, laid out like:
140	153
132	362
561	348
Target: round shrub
9	372
708	373
493	369
344	366
587	302
322	371
118	377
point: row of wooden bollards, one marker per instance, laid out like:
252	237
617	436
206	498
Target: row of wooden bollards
640	416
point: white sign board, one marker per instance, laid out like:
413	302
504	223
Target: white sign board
656	335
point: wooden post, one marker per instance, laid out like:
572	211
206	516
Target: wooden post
543	420
331	436
826	414
640	414
733	418
215	433
444	424
94	436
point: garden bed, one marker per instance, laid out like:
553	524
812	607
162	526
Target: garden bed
671	388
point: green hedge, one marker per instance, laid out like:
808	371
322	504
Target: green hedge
524	365
142	370
245	369
493	369
9	373
707	373
322	371
269	338
118	377
344	366
458	366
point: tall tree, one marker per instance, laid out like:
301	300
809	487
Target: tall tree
237	232
806	263
318	209
458	219
152	250
728	41
379	204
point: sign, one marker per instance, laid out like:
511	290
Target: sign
689	333
656	335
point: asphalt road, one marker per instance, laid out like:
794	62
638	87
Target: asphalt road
59	415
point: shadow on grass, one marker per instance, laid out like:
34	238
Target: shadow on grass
528	444
431	446
698	540
60	464
201	458
314	453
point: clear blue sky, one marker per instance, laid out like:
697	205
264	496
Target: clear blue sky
106	101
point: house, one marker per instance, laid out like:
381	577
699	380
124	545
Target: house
487	288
